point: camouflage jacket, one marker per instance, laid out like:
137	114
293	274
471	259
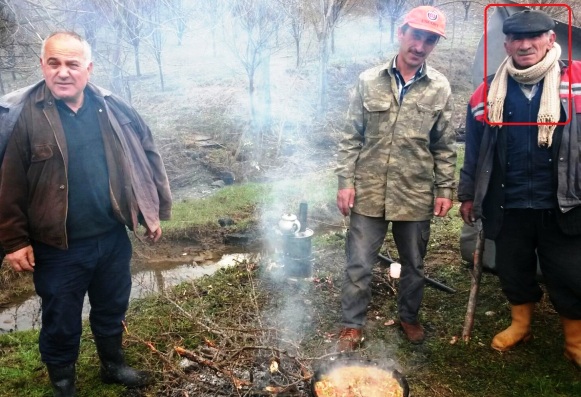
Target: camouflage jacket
398	156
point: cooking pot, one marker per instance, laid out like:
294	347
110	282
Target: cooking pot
326	367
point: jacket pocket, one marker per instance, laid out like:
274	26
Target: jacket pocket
377	112
426	118
41	153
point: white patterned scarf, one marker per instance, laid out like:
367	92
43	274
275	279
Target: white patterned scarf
550	109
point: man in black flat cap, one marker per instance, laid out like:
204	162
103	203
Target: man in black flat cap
522	176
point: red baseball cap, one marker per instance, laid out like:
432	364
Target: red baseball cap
426	18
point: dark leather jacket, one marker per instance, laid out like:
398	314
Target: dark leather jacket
33	176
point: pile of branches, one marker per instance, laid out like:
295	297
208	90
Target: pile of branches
225	355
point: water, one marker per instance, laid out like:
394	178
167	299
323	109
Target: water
148	278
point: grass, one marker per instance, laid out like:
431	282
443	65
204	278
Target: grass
308	313
23	375
250	203
237	201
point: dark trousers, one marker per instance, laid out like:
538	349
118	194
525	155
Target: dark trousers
98	266
364	241
526	233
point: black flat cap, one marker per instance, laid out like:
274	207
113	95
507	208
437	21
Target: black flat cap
528	22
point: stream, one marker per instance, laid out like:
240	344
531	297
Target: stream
148	277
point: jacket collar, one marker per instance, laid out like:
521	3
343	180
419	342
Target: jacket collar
44	94
427	71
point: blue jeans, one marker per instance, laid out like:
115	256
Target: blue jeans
364	241
98	266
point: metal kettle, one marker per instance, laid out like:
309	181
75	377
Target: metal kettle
289	224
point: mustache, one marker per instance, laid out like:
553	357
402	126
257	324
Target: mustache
418	54
525	52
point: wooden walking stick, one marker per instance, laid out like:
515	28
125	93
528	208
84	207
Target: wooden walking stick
475	283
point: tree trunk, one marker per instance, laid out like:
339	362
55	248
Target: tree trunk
323	78
117	83
251	96
333	41
298	51
136	55
255	116
160	69
265	92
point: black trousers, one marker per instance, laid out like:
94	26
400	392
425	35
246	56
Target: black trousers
526	233
98	266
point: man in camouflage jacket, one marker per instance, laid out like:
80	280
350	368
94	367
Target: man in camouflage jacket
396	165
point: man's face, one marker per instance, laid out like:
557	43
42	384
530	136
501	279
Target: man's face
66	69
415	46
528	50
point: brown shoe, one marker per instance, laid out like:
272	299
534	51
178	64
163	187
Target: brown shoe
349	339
413	332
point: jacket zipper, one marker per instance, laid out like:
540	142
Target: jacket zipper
66	176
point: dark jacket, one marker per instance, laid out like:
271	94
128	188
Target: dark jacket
33	176
482	176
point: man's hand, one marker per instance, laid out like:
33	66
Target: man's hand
442	206
466	212
153	235
345	200
21	260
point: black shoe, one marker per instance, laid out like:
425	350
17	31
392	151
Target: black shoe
113	366
62	379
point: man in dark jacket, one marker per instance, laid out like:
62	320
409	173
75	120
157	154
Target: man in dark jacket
79	167
522	176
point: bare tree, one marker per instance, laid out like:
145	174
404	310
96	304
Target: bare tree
156	37
133	19
324	15
211	12
393	9
553	7
179	19
556	9
251	28
296	14
119	83
382	15
8	30
466	5
87	14
22	27
144	22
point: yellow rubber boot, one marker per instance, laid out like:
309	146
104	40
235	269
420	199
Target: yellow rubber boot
519	330
572	331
